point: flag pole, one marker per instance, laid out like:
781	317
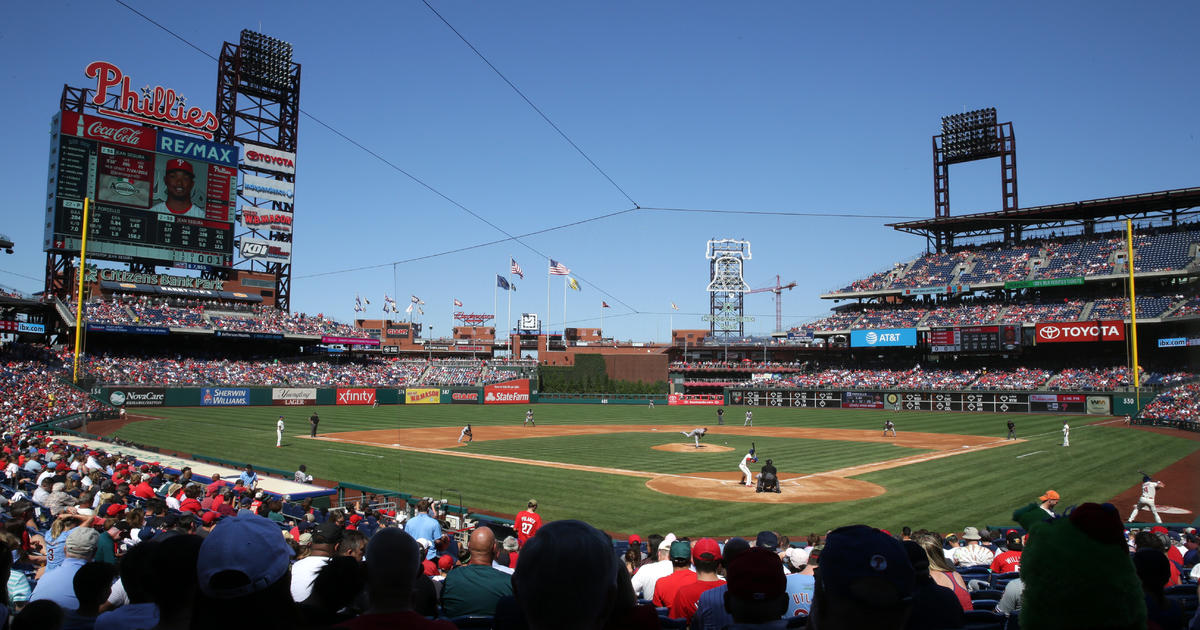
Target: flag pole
508	322
601	320
547	297
564	316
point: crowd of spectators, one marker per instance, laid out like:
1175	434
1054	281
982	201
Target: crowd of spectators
1051	258
1012	380
33	392
178	313
98	540
1092	379
1178	403
1191	308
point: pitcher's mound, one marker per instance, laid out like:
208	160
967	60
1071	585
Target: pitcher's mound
691	448
724	486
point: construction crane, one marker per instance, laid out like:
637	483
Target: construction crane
778	291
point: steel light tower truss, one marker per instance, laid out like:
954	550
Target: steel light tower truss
726	288
968	137
258	101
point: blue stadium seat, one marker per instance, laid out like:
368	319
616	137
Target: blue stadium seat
986	593
1000	580
473	621
666	622
799	621
988	605
983	620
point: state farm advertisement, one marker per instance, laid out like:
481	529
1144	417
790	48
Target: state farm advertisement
294	396
356	396
1060	332
707	400
507	393
422	396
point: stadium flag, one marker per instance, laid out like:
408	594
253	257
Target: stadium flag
420	310
417	300
604	304
457	302
358	305
574	285
502	282
409	309
367	300
558	269
515	269
673	307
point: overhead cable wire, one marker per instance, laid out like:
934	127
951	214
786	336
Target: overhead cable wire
529	102
414	178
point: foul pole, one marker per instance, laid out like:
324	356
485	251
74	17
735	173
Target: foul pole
79	299
1137	378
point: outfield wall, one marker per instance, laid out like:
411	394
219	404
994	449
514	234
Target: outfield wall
136	397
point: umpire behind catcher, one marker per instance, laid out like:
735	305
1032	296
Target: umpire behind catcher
768	480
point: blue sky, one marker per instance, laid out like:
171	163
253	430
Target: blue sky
764	106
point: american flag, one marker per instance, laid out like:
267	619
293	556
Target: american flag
515	269
604	304
673	307
457	302
558	269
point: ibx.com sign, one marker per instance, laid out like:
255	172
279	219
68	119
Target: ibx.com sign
884	337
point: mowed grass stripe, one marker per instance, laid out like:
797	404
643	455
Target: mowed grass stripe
972	488
633	451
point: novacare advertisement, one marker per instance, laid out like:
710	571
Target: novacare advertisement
224	397
507	393
884	337
422	396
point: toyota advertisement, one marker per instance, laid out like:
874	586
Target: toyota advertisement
1068	332
356	396
514	392
885	337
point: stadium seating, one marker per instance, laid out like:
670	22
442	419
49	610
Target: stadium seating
173	313
1179	403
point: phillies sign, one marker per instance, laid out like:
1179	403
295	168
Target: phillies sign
153	105
1060	332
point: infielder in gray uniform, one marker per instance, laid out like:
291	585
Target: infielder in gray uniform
695	434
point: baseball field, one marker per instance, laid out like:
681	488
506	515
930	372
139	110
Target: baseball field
630	469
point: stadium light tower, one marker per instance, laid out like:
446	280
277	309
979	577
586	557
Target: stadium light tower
726	288
968	137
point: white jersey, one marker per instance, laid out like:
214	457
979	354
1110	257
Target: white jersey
279	425
1149	489
747	459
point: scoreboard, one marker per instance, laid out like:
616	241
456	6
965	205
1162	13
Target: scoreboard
122	168
988	402
975	339
984	402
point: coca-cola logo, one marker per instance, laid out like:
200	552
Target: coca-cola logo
131	136
278	160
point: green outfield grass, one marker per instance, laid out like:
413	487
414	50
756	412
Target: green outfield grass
975	488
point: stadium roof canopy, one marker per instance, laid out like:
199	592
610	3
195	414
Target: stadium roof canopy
1170	204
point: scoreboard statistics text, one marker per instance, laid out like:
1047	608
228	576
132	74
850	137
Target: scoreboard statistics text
986	402
122	168
975	339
